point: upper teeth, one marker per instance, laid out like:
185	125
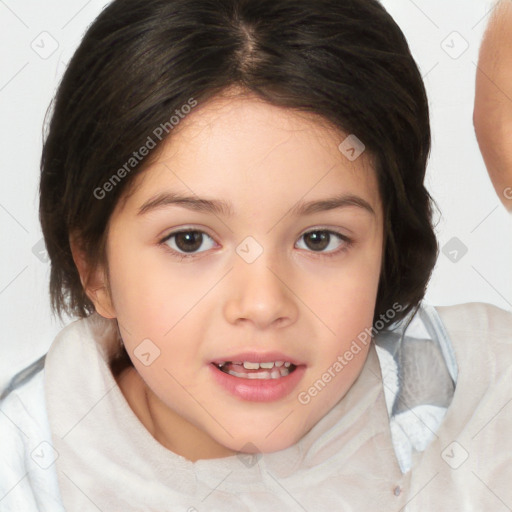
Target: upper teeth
249	365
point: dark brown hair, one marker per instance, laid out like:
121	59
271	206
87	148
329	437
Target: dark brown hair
141	60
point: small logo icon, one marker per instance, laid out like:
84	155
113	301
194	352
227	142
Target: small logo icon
249	249
146	352
454	455
249	455
454	45
454	250
45	45
352	147
44	455
39	251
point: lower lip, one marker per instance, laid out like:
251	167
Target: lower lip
258	390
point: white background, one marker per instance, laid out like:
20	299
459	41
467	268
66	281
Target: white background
438	32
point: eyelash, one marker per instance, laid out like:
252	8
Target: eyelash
348	243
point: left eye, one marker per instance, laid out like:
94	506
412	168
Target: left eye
187	241
322	239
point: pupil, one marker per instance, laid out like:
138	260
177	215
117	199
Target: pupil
318	236
189	241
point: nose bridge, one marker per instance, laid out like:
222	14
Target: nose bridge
259	292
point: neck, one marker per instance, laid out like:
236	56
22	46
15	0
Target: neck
168	428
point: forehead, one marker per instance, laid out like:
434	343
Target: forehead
254	124
236	142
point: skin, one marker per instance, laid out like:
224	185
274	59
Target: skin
492	114
263	160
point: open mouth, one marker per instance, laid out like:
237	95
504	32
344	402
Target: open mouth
257	377
251	370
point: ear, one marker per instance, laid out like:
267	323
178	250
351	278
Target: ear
93	281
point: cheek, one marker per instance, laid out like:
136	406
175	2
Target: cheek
154	301
144	287
345	297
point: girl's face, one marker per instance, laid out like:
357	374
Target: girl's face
252	239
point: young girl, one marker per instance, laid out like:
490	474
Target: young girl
232	200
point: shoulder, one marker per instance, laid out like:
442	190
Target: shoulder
21	405
479	318
481	335
27	476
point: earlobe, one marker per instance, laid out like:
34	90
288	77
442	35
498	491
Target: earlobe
102	301
93	281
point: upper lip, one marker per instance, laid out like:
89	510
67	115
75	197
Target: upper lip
258	357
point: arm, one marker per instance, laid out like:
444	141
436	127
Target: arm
492	116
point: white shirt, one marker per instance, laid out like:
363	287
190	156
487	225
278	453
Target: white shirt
68	436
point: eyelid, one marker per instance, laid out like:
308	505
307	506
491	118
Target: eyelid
330	229
347	241
175	233
185	229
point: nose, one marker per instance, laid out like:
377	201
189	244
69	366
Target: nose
261	295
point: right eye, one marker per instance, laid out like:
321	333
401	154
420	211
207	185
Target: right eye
186	242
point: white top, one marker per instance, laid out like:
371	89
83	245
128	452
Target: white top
68	437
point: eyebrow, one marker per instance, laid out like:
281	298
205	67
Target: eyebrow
220	207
